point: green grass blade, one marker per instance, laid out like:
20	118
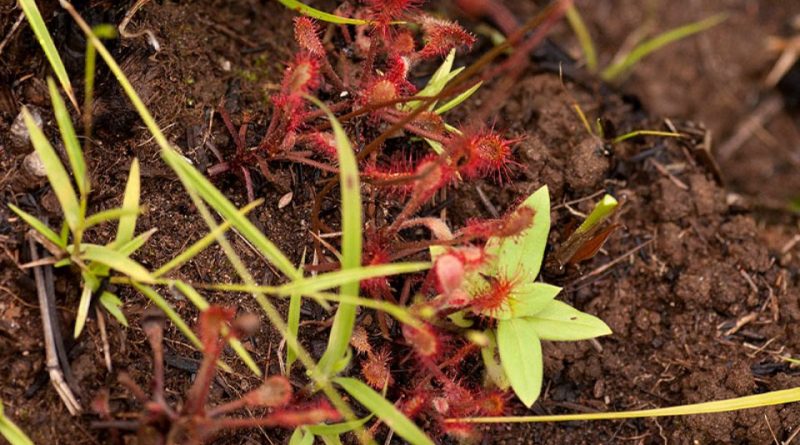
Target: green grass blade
201	244
108	215
71	144
113	305
718	406
343	322
202	304
12	432
117	261
320	15
103	31
293	320
130	202
636	133
43	36
649	46
347	276
602	210
385	410
456	101
39	226
193	179
176	319
56	173
584	38
83	309
337	428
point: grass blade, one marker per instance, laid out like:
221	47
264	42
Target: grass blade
348	276
12	432
293	320
385	410
108	215
633	134
718	406
39	226
112	304
130	202
343	322
320	15
117	261
202	304
456	101
649	46
193	179
584	38
43	36
176	319
71	144
201	244
56	173
83	309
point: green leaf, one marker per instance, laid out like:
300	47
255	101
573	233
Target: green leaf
113	305
39	226
494	370
584	38
458	100
194	180
521	357
352	227
320	15
202	304
337	428
56	174
12	432
385	410
108	215
341	277
438	81
43	36
71	144
301	437
331	440
115	260
601	211
293	320
780	397
560	321
651	45
520	257
173	316
130	202
531	298
83	309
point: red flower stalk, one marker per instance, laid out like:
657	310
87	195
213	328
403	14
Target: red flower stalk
441	36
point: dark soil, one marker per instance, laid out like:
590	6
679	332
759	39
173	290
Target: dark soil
689	261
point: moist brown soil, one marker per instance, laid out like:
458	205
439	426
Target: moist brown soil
689	261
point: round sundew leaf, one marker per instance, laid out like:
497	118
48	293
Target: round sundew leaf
521	357
562	322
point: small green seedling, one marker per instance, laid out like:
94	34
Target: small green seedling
12	433
502	288
67	247
625	61
589	237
